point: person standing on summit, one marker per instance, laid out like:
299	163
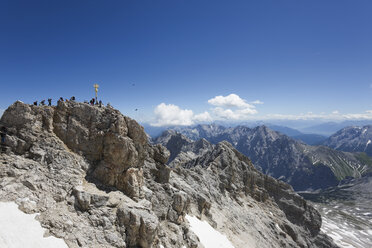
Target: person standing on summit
3	135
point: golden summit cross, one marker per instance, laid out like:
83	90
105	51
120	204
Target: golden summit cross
96	89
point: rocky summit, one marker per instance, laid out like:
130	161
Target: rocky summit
97	182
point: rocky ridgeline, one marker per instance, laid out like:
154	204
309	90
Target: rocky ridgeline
97	182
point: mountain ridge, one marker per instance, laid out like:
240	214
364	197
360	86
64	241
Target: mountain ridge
97	182
285	158
352	139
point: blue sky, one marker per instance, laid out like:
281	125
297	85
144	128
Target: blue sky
302	59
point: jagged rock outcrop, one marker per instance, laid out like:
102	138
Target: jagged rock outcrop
97	182
181	148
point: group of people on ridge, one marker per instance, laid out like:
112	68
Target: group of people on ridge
92	102
42	102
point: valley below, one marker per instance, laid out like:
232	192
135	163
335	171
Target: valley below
346	212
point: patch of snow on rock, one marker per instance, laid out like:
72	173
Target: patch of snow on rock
342	235
20	230
208	236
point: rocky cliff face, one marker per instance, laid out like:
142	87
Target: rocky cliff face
302	166
97	182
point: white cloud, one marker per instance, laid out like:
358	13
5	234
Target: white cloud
257	102
222	113
231	100
170	114
229	114
232	107
203	117
366	116
335	112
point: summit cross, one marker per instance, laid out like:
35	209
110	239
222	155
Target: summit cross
96	89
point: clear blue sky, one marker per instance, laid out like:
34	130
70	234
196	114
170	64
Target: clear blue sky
295	56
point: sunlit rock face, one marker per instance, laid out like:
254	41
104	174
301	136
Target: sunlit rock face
97	182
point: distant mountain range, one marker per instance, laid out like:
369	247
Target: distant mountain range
329	128
307	138
309	131
352	139
303	166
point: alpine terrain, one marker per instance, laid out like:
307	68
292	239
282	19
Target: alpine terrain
95	181
303	166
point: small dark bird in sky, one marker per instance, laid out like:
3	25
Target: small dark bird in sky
135	109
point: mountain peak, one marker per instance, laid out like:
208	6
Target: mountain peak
97	182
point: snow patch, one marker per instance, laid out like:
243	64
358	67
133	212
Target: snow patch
19	230
368	142
278	227
208	236
344	235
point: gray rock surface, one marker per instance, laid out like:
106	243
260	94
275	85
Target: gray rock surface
97	182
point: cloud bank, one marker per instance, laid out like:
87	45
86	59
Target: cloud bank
334	116
230	107
234	108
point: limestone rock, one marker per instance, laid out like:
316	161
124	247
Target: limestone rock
97	182
161	154
140	224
